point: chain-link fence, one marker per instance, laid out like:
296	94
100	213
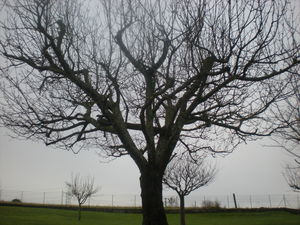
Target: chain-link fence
247	201
225	201
64	198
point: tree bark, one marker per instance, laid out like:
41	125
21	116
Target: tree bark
79	211
182	212
152	200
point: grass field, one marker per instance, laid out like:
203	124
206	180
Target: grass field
40	216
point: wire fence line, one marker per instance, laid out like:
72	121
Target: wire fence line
249	201
129	200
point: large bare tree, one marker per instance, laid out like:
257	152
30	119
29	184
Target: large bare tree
288	135
292	176
287	113
81	188
185	174
145	78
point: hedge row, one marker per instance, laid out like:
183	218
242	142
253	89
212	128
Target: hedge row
139	209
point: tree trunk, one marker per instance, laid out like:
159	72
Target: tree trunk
152	200
182	212
79	211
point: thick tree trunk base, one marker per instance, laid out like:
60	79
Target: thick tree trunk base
152	200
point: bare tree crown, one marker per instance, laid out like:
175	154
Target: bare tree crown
81	188
185	174
145	77
287	113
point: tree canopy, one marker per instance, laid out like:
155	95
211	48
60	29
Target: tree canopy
185	174
146	78
143	74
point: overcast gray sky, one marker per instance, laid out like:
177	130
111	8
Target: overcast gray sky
28	166
24	165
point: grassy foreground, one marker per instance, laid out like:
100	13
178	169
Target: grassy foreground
10	215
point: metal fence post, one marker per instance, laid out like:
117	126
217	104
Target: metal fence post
270	202
284	201
44	198
68	198
134	200
228	201
250	201
62	197
234	199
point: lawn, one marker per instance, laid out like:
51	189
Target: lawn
40	216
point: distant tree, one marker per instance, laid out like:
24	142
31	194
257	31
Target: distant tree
208	204
171	202
16	200
145	78
186	174
81	188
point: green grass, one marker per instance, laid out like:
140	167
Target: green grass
10	215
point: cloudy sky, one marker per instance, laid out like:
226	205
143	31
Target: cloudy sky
254	168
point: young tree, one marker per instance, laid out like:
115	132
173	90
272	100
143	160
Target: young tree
143	78
185	175
81	188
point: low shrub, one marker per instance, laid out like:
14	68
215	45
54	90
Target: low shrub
16	200
208	204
